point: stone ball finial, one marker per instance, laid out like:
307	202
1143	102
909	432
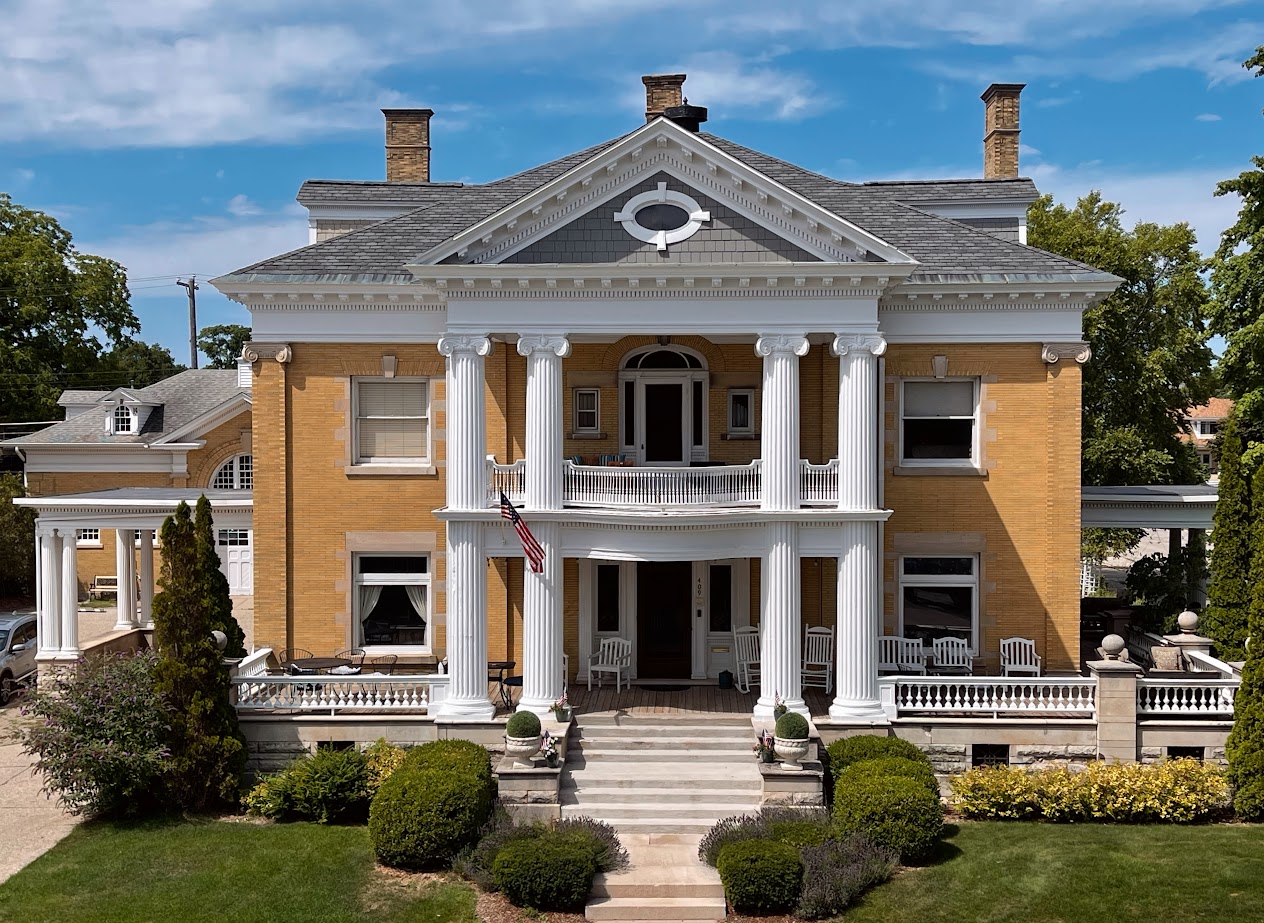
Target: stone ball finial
1187	622
1113	646
221	639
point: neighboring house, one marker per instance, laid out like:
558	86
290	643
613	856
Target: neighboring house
1203	426
723	390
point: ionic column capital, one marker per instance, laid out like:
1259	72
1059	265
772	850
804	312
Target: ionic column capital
543	343
781	343
847	343
1080	351
465	343
253	352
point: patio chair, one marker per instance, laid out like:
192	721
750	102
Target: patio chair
290	654
355	655
614	656
952	657
566	671
1018	655
383	664
818	658
901	655
746	647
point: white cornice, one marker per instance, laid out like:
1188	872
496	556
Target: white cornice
364	296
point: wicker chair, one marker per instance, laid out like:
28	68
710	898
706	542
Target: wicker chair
382	664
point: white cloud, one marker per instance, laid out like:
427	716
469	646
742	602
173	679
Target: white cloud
731	86
22	176
241	206
1207	117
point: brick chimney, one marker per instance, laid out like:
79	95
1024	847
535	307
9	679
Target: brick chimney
1000	130
408	145
662	91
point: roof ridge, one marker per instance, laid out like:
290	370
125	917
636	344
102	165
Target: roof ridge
942	182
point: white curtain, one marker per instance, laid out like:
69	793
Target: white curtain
417	596
369	595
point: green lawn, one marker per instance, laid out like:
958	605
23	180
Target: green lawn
217	871
1042	873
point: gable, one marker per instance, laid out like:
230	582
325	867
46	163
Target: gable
727	237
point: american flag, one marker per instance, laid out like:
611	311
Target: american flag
530	547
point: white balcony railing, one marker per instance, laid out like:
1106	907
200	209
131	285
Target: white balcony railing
333	694
1195	697
946	696
255	664
684	487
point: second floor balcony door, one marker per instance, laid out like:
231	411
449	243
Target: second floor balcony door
662	423
663	413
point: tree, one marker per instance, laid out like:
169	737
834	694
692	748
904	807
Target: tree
52	298
222	344
1150	359
208	750
17	539
1229	594
133	364
1245	747
213	585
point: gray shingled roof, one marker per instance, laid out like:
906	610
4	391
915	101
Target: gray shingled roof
80	397
947	249
181	399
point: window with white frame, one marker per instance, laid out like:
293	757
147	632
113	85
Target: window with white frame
392	421
392	601
938	422
742	410
124	420
939	598
587	410
87	537
1208	427
235	474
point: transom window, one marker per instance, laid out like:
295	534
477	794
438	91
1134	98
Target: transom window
87	536
665	358
392	602
234	537
124	420
235	474
938	422
939	598
392	421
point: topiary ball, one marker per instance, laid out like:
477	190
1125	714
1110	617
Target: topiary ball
791	726
523	724
760	876
891	811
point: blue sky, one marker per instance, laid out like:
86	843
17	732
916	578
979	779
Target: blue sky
172	135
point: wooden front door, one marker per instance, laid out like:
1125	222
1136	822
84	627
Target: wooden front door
663	626
664	424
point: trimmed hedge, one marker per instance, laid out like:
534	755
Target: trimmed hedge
798	833
523	724
761	876
422	818
548	872
608	850
381	759
455	755
1175	791
848	750
887	766
791	726
892	811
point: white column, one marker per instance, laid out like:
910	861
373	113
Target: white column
542	592
146	578
779	442
69	597
780	628
466	562
48	595
859	576
124	564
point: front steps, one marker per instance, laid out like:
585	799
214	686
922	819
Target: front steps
662	783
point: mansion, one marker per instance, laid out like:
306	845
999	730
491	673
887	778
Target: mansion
721	390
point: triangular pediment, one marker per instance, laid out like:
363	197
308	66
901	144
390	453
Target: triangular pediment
749	213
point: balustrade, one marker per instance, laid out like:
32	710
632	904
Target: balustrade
339	693
1072	696
1195	697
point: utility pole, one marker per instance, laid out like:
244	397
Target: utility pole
191	287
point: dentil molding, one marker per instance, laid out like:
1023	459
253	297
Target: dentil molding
465	343
540	343
782	343
1051	352
847	343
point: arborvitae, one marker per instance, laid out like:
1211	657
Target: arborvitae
208	750
213	585
1229	594
1245	748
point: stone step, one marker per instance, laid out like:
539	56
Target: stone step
705	810
641	731
639	824
655	721
590	754
580	780
687	880
668	744
605	794
656	908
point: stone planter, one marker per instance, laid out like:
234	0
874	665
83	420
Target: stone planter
791	751
521	749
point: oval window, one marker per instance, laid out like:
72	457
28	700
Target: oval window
662	217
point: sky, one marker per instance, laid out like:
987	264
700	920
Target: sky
172	135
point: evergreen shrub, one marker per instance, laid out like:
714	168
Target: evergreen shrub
848	750
760	876
791	726
547	872
523	724
422	818
885	766
380	760
892	811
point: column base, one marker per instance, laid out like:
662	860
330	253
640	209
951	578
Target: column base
864	711
763	708
538	706
457	710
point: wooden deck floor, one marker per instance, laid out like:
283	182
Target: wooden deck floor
646	700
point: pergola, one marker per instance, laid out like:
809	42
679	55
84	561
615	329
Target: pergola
136	514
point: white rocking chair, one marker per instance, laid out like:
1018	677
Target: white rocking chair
746	648
614	656
901	655
818	658
1018	655
952	657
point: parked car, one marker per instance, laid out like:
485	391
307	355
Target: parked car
17	653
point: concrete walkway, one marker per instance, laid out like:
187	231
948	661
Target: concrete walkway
30	823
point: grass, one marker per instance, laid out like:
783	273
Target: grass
211	871
1046	873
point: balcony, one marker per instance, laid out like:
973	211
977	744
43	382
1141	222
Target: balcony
620	485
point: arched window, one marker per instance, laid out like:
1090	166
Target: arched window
124	420
665	358
663	405
235	474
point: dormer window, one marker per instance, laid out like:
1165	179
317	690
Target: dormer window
124	420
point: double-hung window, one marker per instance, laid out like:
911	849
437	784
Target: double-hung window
392	421
939	598
587	410
939	423
742	411
392	602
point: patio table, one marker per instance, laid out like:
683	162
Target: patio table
320	664
500	668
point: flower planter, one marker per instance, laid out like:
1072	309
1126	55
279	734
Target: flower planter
521	749
791	751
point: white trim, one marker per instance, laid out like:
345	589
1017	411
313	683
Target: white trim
425	579
749	428
694	216
82	542
595	411
940	580
216	416
235	475
974	460
423	462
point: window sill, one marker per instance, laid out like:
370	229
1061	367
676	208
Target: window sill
88	545
388	471
960	471
739	437
587	436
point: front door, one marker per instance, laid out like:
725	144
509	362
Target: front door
663	629
663	429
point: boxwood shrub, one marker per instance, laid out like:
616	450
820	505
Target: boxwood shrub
761	876
791	726
892	811
848	750
552	871
422	818
886	766
523	724
475	862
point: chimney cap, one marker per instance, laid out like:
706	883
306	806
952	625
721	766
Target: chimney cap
397	113
667	79
686	116
1002	89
